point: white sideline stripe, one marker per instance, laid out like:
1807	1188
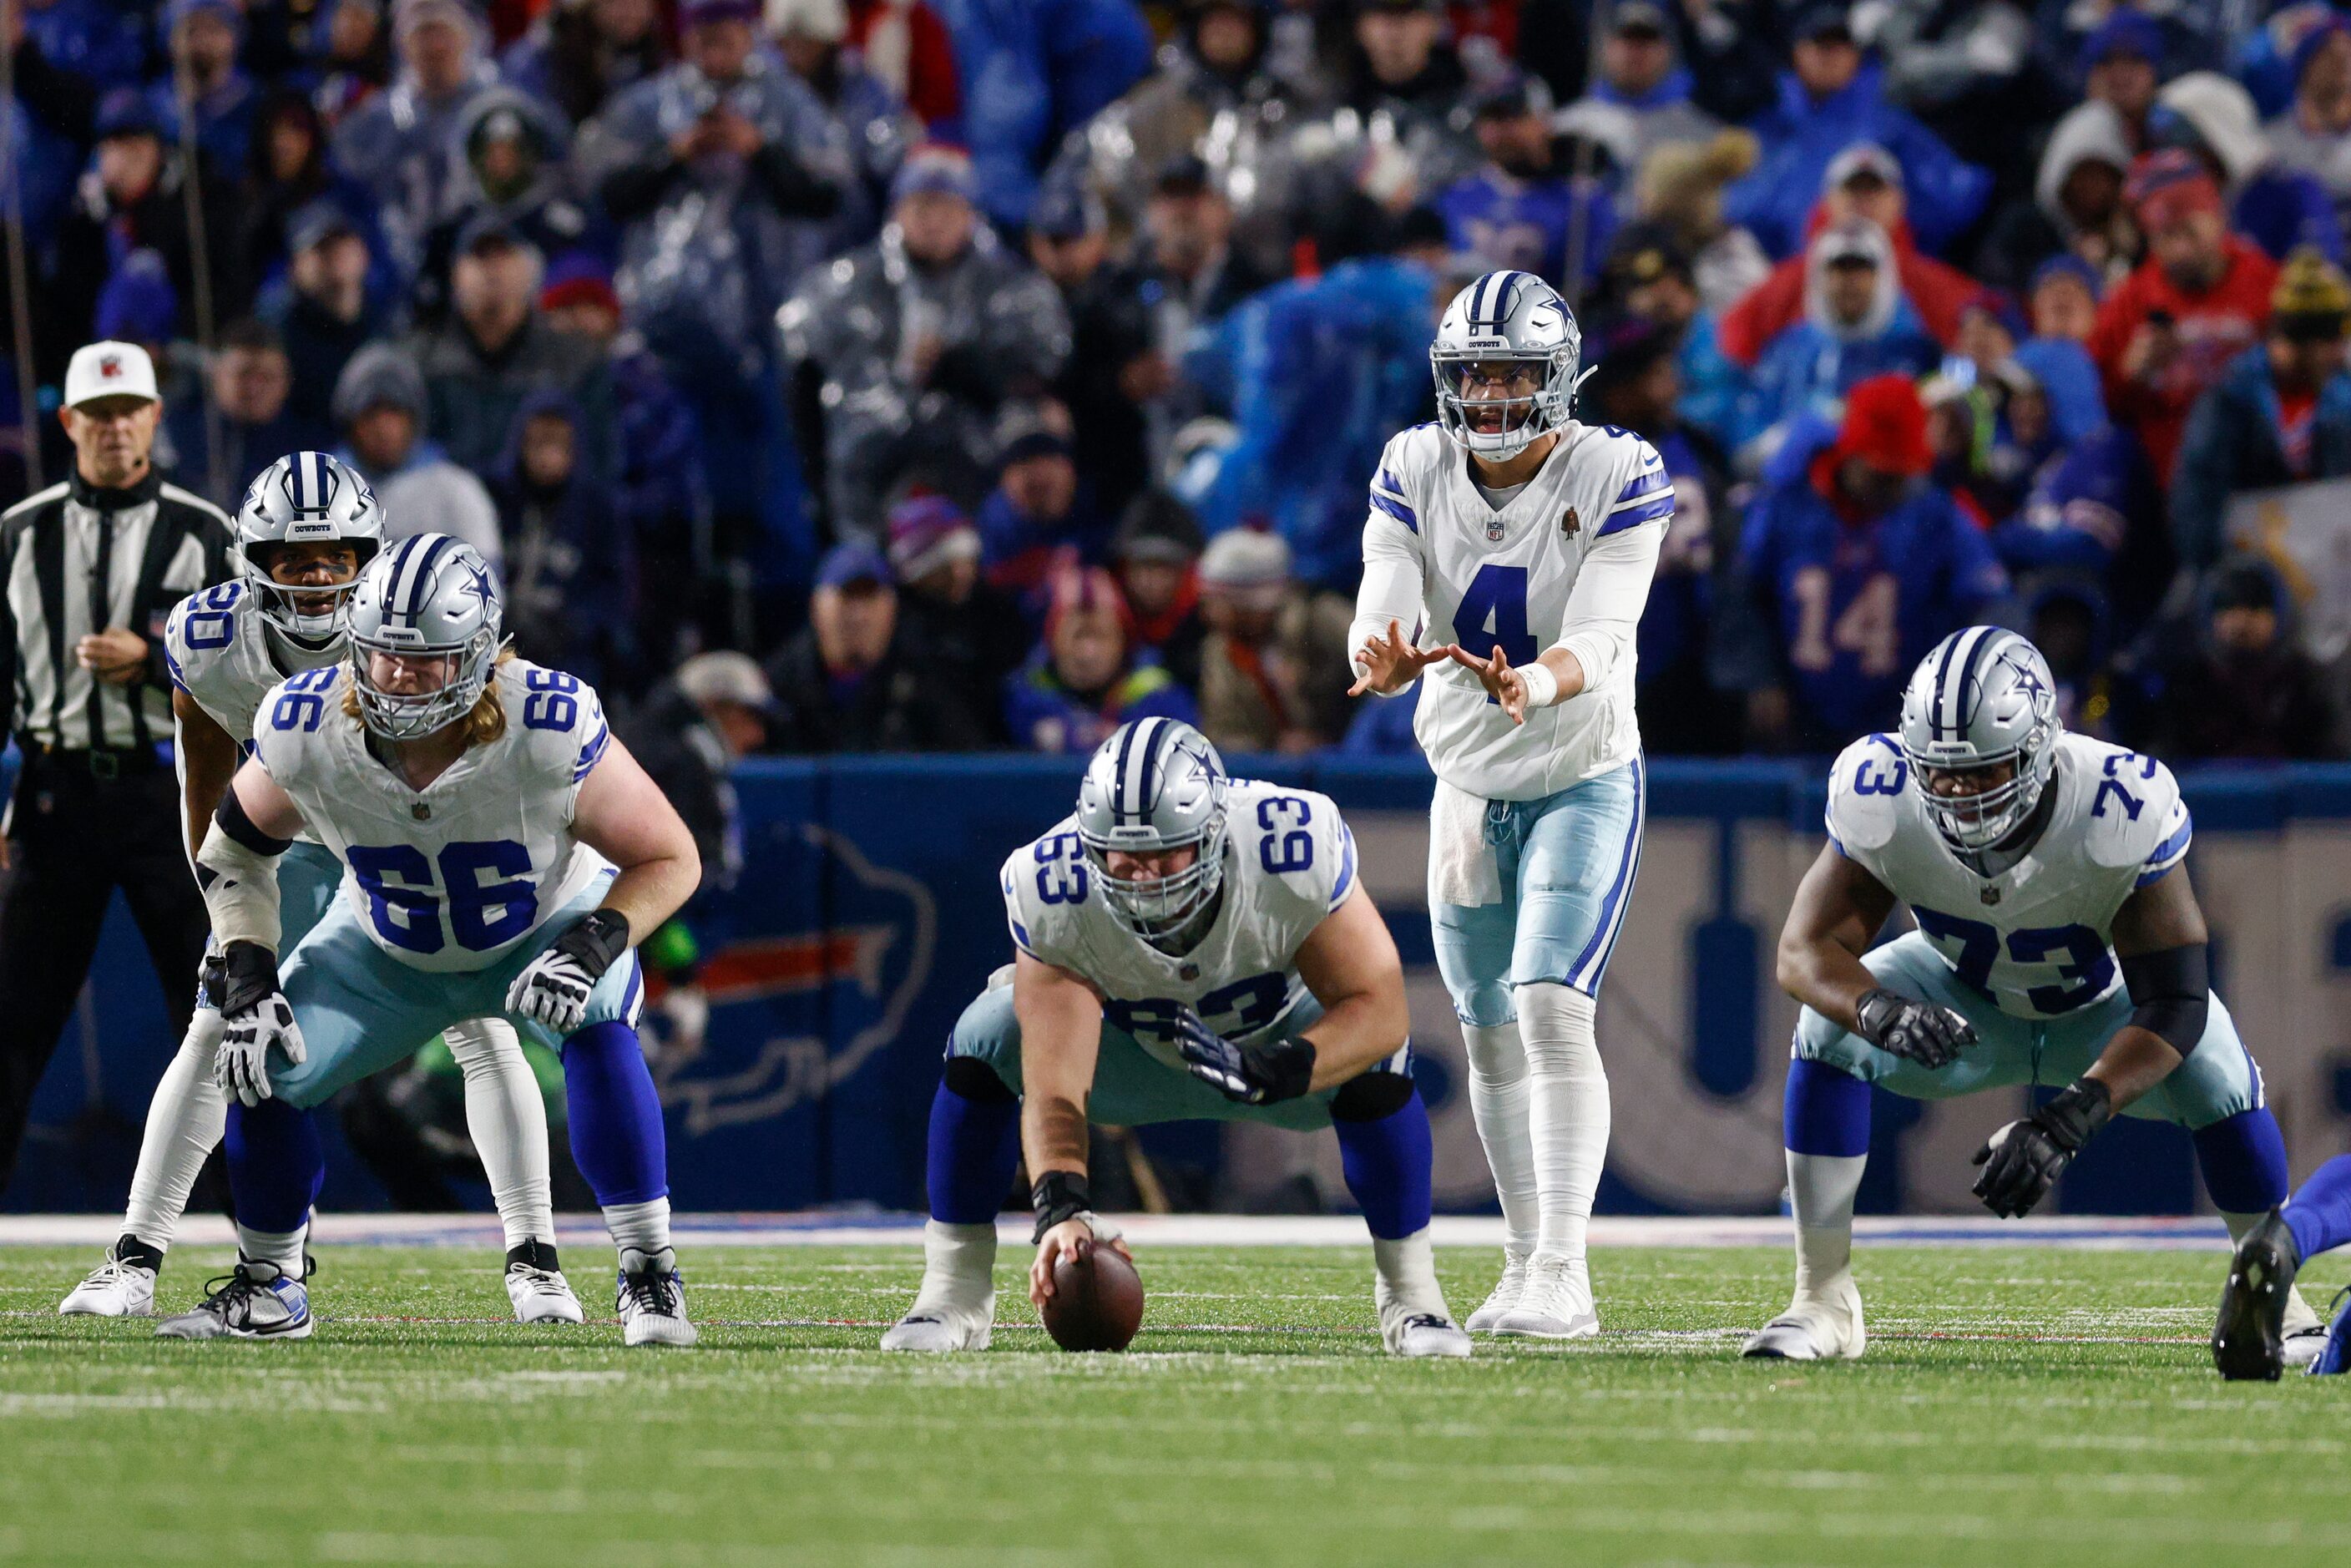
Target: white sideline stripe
836	1230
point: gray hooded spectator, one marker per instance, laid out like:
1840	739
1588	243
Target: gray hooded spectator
380	406
512	174
402	144
920	339
2078	200
2314	134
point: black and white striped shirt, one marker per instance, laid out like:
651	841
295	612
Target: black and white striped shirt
76	559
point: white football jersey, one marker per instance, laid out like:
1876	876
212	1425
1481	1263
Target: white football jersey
2037	938
220	652
1490	577
1290	862
452	876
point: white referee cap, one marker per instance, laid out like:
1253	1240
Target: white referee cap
110	370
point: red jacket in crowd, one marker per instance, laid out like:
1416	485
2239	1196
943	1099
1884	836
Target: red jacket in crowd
1939	292
2214	328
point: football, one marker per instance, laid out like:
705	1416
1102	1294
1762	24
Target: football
1097	1300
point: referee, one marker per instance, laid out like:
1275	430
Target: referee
92	567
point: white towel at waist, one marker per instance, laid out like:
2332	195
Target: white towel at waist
1461	868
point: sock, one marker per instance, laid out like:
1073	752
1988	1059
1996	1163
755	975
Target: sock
1386	1161
184	1121
508	1120
617	1139
1568	1102
1406	1270
1825	1116
2243	1161
958	1266
2320	1214
1498	1100
1826	1110
975	1146
283	1247
643	1225
275	1167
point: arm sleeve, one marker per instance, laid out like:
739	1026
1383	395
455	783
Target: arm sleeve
1604	609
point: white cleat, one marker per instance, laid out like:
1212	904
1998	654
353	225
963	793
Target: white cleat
939	1328
255	1300
537	1289
1555	1304
2302	1346
1424	1336
124	1288
1826	1327
1506	1290
651	1300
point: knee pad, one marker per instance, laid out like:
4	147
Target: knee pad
1555	1025
1371	1096
1495	1050
478	1044
971	1079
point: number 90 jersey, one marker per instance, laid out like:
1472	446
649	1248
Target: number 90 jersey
1503	579
451	876
1290	862
2036	939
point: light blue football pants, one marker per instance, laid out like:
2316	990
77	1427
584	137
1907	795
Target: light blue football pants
1567	864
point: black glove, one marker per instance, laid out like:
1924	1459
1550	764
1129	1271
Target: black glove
1928	1033
2024	1159
1252	1074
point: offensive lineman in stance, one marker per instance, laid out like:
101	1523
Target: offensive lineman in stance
503	856
2081	957
307	525
1186	947
1527	540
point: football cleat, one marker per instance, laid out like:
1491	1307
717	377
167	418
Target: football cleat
123	1286
255	1300
939	1328
1425	1336
650	1297
2303	1346
1813	1328
1555	1304
1505	1296
536	1287
2248	1338
2333	1357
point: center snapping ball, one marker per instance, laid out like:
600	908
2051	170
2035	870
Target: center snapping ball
1097	1300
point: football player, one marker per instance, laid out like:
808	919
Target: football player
480	808
1187	946
1521	543
2058	943
307	525
2251	1338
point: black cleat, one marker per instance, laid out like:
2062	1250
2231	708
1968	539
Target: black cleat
2248	1340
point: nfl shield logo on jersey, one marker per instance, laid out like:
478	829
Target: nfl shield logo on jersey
1494	530
1989	895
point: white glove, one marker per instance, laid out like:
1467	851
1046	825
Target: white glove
241	1065
553	991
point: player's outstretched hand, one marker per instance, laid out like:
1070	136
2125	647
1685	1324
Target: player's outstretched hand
1389	664
1924	1032
1256	1075
2024	1160
1062	1241
1503	682
254	1016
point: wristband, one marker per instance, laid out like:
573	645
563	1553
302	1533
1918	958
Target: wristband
1057	1196
1542	686
597	942
248	977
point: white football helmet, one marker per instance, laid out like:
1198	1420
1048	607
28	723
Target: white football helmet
1983	698
1506	317
426	597
1155	784
304	497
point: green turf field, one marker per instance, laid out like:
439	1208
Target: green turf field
2019	1406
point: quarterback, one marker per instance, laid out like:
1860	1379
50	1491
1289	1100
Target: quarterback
2058	944
502	855
1185	945
1521	544
307	525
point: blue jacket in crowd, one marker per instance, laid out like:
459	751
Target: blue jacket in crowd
2232	443
1507	222
1807	368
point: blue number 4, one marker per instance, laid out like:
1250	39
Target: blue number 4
1496	597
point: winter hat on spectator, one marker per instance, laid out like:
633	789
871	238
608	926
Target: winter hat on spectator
2245	583
2066	264
2205	111
1511	93
1079	588
110	370
2124	32
825	21
125	111
315	223
1681	183
698	12
1884	426
1034	442
933	167
1644	18
1245	561
378	376
852	561
722	675
138	304
228	11
2168	185
1158	527
2311	302
1622	351
407	15
2313	39
1824	19
1862	158
1065	209
579	277
927	532
1641	254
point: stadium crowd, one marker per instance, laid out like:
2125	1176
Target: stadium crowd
972	374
